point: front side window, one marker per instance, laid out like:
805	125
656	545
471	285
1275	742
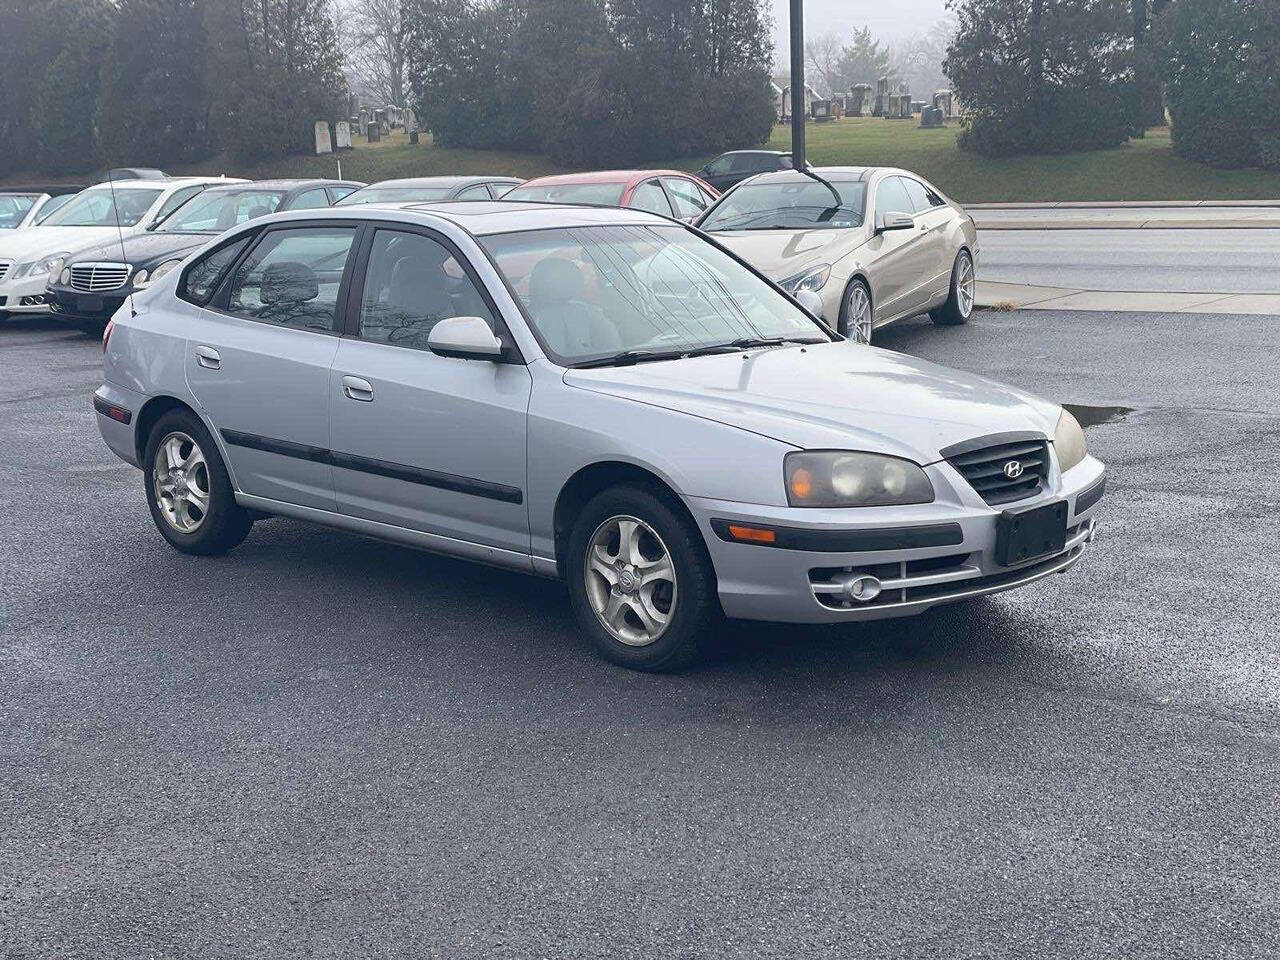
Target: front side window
411	284
476	192
591	292
650	198
891	197
808	204
339	193
14	207
202	277
96	208
177	199
52	206
605	194
688	198
719	166
292	277
311	200
218	210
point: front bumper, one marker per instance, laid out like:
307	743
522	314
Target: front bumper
25	295
920	556
77	305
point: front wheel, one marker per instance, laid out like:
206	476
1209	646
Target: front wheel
188	488
640	581
856	315
959	305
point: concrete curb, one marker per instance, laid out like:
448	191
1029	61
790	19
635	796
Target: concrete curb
1022	296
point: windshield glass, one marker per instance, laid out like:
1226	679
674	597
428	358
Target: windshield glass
394	195
52	206
606	194
93	208
217	210
592	292
13	207
811	205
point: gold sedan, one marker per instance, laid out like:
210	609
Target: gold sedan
875	244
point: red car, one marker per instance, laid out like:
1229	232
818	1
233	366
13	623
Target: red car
668	192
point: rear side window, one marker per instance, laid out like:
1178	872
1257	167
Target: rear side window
921	196
291	278
688	199
203	276
475	192
311	200
650	198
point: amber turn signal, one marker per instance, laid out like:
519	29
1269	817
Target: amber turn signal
802	484
751	534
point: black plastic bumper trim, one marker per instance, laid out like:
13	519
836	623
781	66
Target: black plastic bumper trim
847	541
381	468
1089	497
110	411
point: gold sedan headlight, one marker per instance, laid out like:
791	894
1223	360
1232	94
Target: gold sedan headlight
1068	441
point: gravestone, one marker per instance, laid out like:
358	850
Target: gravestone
820	109
881	107
384	125
411	123
859	100
930	118
943	100
373	131
323	143
342	135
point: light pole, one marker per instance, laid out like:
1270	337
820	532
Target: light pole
797	84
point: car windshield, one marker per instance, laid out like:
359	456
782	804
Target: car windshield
94	208
790	205
218	210
630	293
606	194
52	206
13	207
394	195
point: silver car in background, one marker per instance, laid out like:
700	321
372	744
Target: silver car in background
599	395
876	244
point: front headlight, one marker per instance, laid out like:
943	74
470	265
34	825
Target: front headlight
836	478
65	277
814	279
51	264
167	267
1068	441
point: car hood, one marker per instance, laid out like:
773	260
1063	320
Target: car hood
831	396
142	249
36	242
780	254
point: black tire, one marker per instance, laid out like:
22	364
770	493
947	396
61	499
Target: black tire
696	604
952	313
225	524
843	327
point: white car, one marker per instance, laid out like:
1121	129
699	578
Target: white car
104	212
29	206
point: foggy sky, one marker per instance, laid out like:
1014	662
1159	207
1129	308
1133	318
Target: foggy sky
888	19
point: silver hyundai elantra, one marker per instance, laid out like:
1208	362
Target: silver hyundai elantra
599	395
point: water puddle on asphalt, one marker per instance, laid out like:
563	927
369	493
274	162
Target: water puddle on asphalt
1091	416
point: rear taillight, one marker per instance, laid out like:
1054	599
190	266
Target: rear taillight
106	334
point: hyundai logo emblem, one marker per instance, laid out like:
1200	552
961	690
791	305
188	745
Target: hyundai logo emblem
1013	469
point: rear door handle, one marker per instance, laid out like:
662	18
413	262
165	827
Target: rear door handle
208	357
357	389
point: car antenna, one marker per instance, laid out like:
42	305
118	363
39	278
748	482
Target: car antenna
115	209
339	159
826	183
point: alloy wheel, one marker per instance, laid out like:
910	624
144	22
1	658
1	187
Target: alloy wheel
965	285
630	580
180	475
858	314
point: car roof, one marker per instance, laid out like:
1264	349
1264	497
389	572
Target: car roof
757	153
606	176
285	184
484	217
53	189
443	181
834	174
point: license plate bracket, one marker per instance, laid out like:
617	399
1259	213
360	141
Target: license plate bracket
1031	533
89	304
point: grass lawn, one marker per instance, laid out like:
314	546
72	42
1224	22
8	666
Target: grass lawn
1140	170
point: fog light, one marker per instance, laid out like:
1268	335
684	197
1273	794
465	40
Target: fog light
862	588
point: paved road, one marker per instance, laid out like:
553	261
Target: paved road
320	745
1219	261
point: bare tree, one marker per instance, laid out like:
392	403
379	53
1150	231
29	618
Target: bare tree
822	56
375	41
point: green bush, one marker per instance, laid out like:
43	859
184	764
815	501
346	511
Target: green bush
1221	67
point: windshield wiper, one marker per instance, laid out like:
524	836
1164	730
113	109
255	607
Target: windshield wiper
747	343
628	357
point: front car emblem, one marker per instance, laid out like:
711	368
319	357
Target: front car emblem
1013	469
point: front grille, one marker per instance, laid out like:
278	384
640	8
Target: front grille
4	268
986	469
97	277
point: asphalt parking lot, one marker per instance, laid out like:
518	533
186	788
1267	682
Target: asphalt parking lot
321	745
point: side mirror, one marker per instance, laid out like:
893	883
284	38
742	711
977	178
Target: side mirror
896	221
810	301
465	338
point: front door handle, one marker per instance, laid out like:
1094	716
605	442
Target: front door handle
357	389
209	358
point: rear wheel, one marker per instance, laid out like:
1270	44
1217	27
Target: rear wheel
188	489
857	318
959	305
640	581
